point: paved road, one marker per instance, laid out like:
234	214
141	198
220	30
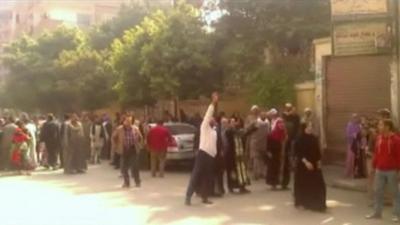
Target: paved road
97	199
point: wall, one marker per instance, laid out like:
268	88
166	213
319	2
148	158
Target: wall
322	48
305	96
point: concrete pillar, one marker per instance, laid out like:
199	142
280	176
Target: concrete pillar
394	69
395	65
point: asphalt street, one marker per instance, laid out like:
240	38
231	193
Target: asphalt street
96	198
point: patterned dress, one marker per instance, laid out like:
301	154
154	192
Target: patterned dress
235	159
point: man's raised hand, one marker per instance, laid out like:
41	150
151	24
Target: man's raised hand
215	97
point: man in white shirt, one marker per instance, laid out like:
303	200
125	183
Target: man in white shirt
204	164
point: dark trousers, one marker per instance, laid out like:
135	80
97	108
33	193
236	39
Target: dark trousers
286	168
52	151
218	181
106	151
116	160
230	169
202	175
62	158
130	162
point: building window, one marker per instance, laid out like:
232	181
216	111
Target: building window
5	14
83	19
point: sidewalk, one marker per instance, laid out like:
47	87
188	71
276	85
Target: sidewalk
334	176
17	173
9	173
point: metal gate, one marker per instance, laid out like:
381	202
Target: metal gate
354	84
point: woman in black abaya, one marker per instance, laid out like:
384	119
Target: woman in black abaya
309	184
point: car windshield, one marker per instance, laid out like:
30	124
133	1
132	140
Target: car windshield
181	129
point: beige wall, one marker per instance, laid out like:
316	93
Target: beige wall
322	48
305	96
354	7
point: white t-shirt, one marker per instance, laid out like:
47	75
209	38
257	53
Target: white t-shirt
208	135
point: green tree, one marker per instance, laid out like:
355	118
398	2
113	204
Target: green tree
282	28
273	85
56	72
179	58
33	74
102	36
86	79
288	24
169	54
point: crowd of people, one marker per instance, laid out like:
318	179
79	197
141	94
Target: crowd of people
373	152
271	145
266	145
29	143
261	146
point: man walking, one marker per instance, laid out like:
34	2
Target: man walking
97	139
386	164
50	135
204	164
158	139
126	139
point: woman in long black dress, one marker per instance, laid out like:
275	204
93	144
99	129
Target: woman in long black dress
309	184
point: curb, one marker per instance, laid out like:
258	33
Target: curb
9	174
350	185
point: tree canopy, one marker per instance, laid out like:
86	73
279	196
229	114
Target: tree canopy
148	53
55	72
102	36
263	35
168	55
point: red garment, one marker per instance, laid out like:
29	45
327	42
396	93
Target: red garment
278	132
19	136
16	158
159	138
387	153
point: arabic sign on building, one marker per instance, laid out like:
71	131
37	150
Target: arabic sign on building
358	7
361	38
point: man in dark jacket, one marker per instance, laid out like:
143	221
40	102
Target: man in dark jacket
50	135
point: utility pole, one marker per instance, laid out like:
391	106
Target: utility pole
396	62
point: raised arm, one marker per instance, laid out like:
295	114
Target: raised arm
207	117
210	112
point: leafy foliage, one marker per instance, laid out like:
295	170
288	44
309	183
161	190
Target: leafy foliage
168	55
148	53
282	28
56	72
86	79
273	85
102	36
